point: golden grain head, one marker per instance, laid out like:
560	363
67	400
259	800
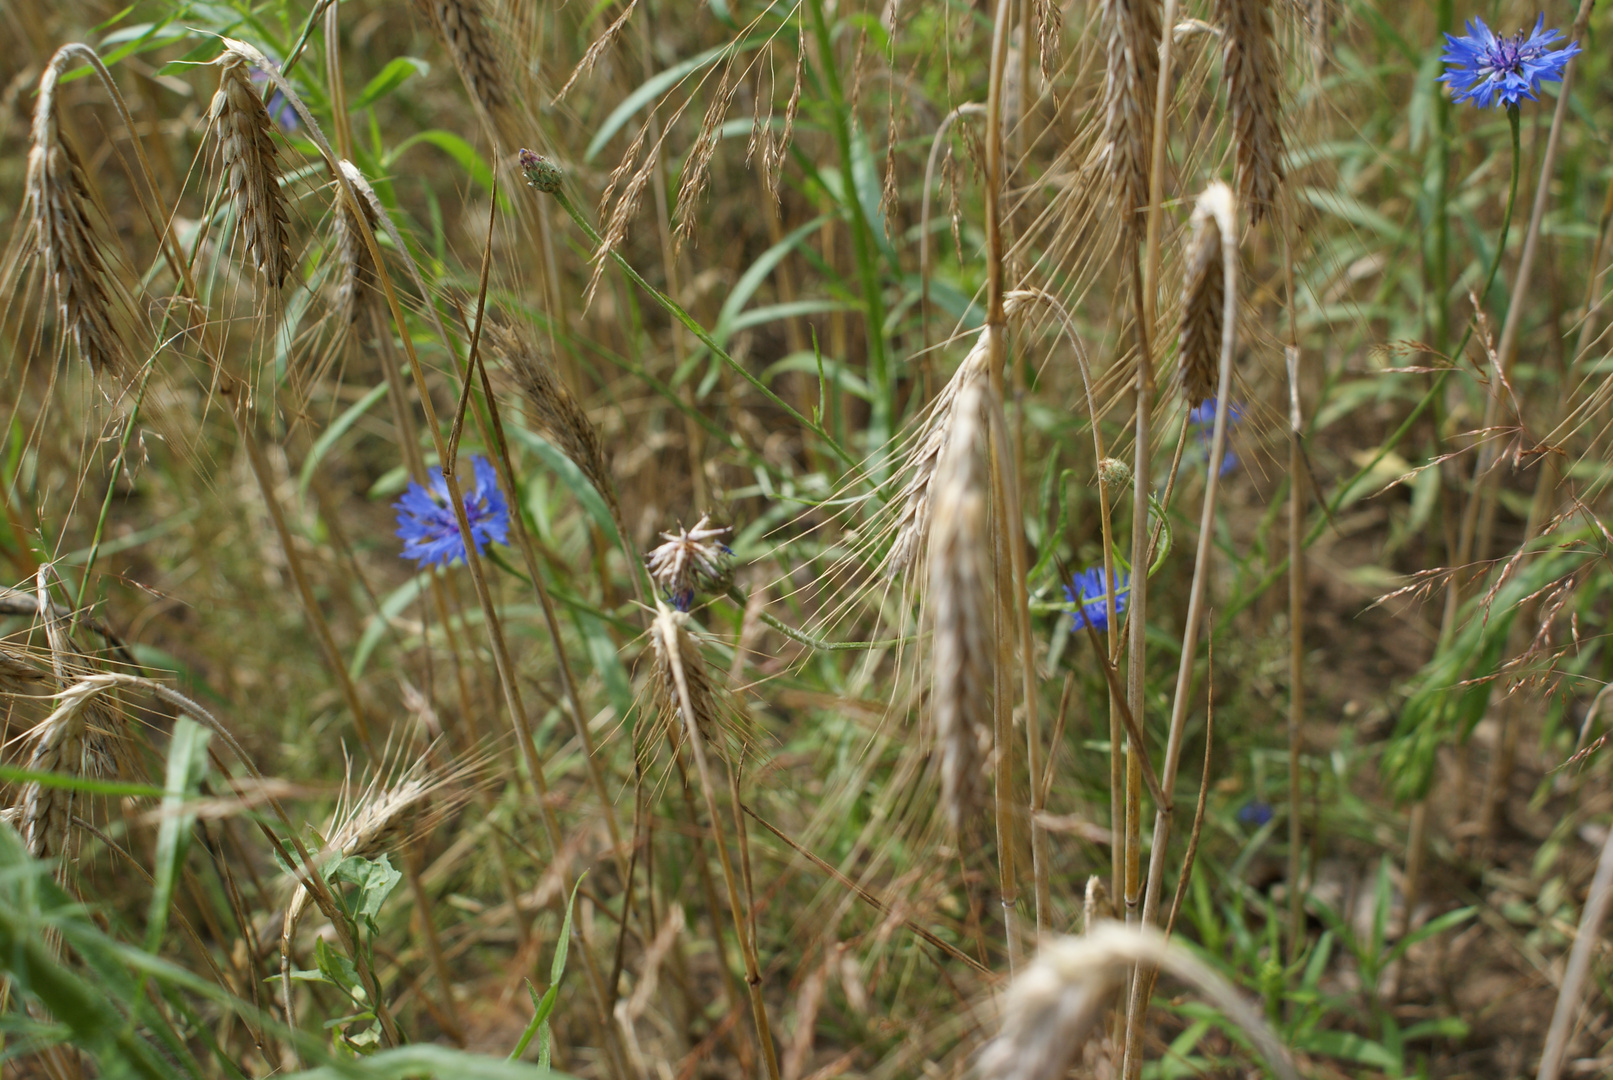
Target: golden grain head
1203	293
1253	77
244	130
463	31
960	605
1131	29
65	240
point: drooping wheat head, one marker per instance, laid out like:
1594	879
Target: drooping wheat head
679	666
1131	29
554	410
960	604
460	26
1054	1004
354	277
1203	291
72	742
244	131
1253	77
57	204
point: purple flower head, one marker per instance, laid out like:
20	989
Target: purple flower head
1489	70
430	528
1202	420
1086	593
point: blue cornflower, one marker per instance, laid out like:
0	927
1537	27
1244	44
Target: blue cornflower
1202	420
1085	591
1489	70
1255	813
430	529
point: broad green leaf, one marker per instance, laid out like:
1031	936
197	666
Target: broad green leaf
187	764
570	475
455	147
330	435
395	74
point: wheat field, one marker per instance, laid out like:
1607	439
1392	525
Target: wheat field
794	539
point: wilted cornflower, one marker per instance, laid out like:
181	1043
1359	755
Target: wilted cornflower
1085	591
1202	420
430	528
689	557
1489	70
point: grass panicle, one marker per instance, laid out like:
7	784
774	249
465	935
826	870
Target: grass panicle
460	26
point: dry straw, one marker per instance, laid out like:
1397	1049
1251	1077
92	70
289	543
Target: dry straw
959	597
1132	31
57	204
1249	62
1057	1002
460	25
244	131
1203	293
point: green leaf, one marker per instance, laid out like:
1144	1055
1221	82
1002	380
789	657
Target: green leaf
375	879
329	437
187	764
652	89
379	623
1348	1047
455	147
542	1007
337	969
570	475
394	75
1429	929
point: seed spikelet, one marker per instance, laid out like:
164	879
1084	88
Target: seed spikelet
244	129
1249	61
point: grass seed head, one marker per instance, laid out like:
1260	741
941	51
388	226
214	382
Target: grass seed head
1249	61
1203	291
959	597
355	277
244	131
463	31
1132	35
65	241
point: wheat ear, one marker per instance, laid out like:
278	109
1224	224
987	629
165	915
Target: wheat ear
1203	294
244	131
1051	1008
1131	29
355	268
1249	65
960	601
58	205
460	25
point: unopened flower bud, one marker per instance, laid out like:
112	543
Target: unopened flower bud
1114	473
541	172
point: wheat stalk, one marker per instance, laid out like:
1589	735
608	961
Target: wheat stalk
960	602
1249	65
1131	28
57	204
243	127
1203	291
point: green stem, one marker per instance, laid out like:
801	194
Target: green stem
879	425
